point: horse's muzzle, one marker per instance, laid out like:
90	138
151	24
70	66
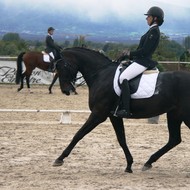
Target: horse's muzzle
66	92
67	89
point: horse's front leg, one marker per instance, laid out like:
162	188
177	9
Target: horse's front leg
53	81
120	133
90	124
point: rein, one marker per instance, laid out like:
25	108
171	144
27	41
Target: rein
81	83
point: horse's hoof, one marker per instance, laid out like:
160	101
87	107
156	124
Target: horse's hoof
146	167
128	170
50	92
58	162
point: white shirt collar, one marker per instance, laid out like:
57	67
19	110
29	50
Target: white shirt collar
153	25
50	35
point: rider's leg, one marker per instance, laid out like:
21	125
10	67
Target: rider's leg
124	111
130	72
52	61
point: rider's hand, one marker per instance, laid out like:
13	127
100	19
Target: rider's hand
126	53
120	58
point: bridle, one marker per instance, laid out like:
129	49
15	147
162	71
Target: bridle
71	68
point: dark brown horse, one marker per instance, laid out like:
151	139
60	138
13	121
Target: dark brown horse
31	60
172	97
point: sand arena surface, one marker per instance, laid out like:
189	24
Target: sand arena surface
30	142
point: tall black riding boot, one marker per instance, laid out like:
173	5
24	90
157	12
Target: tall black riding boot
125	97
52	65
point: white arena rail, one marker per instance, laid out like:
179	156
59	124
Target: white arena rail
65	116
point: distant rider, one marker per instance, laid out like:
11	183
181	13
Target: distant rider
52	48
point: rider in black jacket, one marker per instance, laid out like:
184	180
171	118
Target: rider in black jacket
141	57
52	48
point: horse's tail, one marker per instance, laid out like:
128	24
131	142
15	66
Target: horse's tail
19	67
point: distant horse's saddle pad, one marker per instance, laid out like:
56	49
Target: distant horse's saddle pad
46	57
142	86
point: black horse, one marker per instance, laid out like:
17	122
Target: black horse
173	98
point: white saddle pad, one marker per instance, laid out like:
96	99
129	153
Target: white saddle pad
46	58
146	86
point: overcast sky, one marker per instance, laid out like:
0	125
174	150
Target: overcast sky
98	10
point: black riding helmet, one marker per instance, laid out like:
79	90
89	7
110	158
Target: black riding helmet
50	28
156	12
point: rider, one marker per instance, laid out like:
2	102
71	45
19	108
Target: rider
51	48
141	57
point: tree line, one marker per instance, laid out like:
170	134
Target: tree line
168	50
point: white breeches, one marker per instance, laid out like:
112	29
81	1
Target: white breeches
132	71
51	54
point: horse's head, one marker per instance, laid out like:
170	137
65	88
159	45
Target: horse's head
67	73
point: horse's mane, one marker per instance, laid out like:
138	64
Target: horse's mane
89	50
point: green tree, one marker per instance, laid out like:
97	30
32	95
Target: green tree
12	44
76	42
7	48
11	37
187	42
168	50
66	43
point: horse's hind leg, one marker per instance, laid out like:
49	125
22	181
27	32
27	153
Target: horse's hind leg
186	119
28	82
120	133
21	82
174	128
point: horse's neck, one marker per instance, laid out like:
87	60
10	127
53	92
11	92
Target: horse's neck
89	62
95	72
